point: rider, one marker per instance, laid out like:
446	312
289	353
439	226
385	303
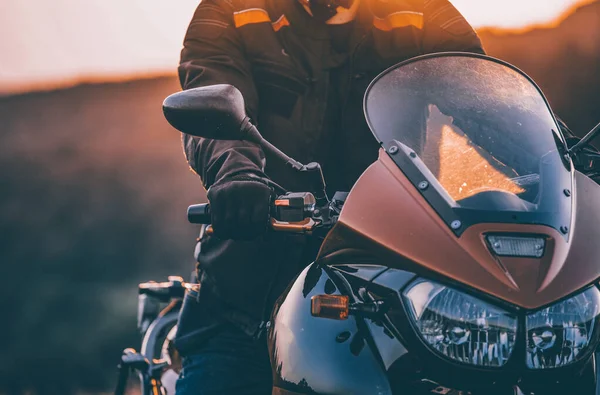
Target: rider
303	67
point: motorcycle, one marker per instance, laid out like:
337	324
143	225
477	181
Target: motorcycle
463	261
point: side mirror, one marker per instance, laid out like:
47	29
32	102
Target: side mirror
213	112
218	112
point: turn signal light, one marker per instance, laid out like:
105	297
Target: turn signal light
336	307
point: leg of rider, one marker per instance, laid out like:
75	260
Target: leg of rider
218	357
231	362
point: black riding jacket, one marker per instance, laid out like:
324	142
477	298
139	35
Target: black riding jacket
303	83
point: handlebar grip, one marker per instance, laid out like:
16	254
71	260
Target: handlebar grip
199	213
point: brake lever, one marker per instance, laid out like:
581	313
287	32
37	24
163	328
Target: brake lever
301	227
297	213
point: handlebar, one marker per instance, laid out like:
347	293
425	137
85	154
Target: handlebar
199	214
165	291
292	212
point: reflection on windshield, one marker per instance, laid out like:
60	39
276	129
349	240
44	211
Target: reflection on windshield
484	137
462	167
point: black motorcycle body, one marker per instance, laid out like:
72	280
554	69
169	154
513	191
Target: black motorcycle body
370	355
433	277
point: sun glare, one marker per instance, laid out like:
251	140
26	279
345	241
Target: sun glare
512	13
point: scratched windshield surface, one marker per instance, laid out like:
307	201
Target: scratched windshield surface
482	133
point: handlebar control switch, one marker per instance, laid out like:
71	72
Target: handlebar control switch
294	207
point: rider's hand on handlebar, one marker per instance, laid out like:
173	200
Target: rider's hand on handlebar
240	207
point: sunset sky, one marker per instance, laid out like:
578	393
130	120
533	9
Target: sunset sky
511	13
48	43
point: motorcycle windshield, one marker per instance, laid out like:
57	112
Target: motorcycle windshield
477	137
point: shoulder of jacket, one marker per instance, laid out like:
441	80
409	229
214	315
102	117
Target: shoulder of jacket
234	5
224	6
241	5
384	8
230	7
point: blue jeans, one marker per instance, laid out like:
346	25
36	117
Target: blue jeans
229	362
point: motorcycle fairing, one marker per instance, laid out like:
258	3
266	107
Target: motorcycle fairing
415	238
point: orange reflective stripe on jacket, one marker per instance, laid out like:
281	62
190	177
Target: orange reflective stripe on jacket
258	15
252	15
281	22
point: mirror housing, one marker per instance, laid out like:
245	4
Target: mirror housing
213	112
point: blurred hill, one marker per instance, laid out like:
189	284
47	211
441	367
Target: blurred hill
93	192
93	200
563	58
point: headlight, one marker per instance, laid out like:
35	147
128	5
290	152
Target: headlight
461	327
560	334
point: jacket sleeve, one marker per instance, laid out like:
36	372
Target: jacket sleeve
445	29
213	54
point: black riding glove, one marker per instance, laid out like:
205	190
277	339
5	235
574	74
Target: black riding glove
240	207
